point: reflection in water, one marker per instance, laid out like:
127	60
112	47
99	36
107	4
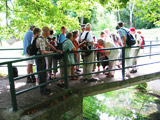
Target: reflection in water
124	104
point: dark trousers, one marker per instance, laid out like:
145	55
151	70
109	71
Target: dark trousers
104	64
99	57
41	65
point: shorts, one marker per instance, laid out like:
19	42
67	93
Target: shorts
29	61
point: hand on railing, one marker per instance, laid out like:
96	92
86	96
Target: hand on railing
59	51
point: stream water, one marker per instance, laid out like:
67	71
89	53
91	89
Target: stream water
124	104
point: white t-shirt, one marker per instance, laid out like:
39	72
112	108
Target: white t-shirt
89	37
113	54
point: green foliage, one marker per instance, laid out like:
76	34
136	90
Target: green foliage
23	13
92	107
149	10
138	22
122	104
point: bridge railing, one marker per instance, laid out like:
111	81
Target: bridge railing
12	79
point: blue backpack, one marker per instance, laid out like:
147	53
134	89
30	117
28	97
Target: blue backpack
130	39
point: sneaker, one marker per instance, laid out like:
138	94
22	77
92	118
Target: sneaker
78	70
133	71
29	80
33	80
128	75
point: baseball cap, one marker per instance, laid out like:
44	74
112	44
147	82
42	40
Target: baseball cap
132	29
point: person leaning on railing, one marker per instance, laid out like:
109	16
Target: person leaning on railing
41	43
87	68
123	36
111	54
67	46
100	53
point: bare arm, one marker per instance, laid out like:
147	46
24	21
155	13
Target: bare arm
124	41
46	52
51	46
74	49
107	53
92	43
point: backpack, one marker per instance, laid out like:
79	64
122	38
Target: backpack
59	38
143	42
130	39
32	49
52	41
15	71
59	47
84	45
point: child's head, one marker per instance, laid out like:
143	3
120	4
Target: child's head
75	34
100	42
102	34
37	31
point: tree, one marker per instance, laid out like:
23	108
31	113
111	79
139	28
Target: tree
149	10
131	8
20	14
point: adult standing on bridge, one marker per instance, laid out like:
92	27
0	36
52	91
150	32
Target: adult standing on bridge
41	43
27	38
123	36
87	68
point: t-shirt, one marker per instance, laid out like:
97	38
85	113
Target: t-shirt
112	53
61	38
68	46
27	38
89	37
41	43
100	47
138	39
122	32
75	43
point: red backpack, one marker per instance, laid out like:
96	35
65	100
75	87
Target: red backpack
52	41
84	45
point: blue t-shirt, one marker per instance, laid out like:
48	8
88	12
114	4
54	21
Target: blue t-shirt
61	38
27	38
122	32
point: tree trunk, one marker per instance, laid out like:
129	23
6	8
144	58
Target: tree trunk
6	13
82	19
131	8
119	17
